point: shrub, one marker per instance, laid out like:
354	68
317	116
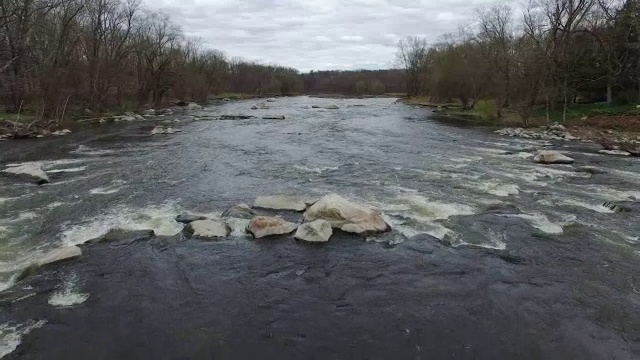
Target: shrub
487	109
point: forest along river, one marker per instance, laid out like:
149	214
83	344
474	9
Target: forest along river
559	279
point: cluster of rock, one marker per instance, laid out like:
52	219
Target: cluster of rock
552	132
17	130
321	217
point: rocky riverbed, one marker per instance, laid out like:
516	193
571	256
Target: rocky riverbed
386	234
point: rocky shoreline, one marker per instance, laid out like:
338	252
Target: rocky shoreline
613	143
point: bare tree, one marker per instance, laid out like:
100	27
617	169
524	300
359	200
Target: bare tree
411	57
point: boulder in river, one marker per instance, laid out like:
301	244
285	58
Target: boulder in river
208	229
240	211
315	106
274	117
318	231
271	100
28	171
262	226
255	107
281	202
346	216
189	218
332	107
193	106
552	157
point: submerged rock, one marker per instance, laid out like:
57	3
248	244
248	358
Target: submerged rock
332	107
271	100
315	106
346	216
29	172
273	117
281	202
316	232
236	117
623	206
590	170
262	226
188	218
504	209
240	211
208	229
552	157
615	152
124	237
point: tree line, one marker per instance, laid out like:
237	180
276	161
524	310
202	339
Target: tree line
113	54
550	53
358	82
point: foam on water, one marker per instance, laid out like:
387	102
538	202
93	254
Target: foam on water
160	219
420	208
108	190
597	208
69	294
86	150
316	170
11	335
540	222
498	189
495	241
68	170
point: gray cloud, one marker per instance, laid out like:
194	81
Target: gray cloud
316	34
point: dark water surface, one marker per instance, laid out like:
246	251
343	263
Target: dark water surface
560	280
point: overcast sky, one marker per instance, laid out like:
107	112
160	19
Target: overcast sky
316	34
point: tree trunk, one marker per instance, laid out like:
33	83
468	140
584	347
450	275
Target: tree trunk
609	92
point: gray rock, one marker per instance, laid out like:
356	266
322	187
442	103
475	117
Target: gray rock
346	216
332	107
188	218
552	157
262	226
273	117
29	172
240	211
208	229
280	202
318	231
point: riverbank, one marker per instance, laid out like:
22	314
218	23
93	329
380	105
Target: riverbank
613	127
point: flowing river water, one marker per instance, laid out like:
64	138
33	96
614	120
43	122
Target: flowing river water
560	279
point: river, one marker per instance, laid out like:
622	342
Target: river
559	279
